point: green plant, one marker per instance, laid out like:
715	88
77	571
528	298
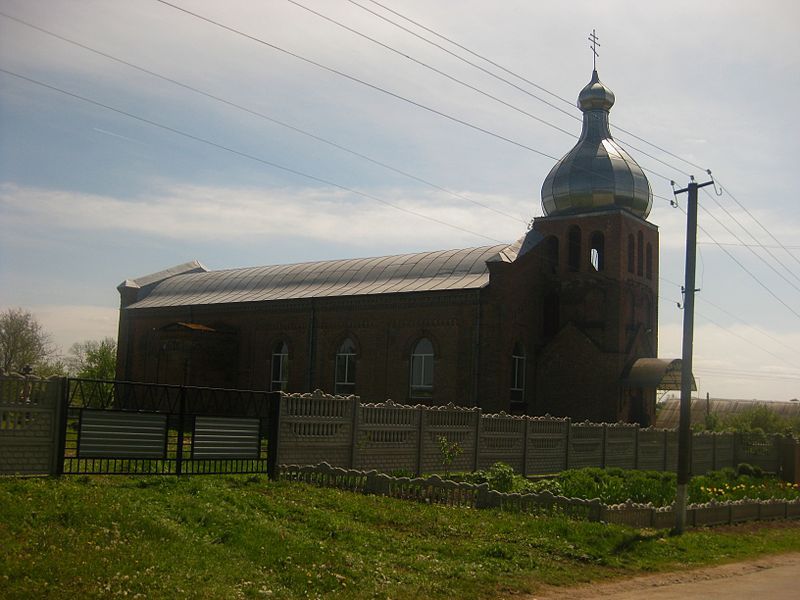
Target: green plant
241	536
449	452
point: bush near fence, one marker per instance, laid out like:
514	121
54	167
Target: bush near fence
435	490
391	437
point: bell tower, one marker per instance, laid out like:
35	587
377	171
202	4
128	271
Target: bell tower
600	312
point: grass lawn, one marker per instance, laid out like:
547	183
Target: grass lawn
245	537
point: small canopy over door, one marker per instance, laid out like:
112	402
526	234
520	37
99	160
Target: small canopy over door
656	373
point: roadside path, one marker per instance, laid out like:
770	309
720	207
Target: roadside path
774	577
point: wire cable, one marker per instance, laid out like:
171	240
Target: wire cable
737	318
733	333
750	249
468	85
752	216
246	155
512	73
263	116
370	85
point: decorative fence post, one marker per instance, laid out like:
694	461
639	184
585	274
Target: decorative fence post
525	446
356	421
60	426
181	418
420	434
273	434
478	415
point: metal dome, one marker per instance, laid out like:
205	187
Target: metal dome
597	173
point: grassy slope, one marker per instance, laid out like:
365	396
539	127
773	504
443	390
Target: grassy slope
226	537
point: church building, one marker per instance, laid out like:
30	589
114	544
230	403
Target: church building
562	321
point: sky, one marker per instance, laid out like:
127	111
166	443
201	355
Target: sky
135	136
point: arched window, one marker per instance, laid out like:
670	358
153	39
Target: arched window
574	248
280	367
649	264
422	369
551	254
345	375
518	373
597	255
639	254
631	251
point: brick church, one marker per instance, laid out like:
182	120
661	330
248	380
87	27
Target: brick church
562	321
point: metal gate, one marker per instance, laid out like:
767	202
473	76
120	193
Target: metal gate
115	427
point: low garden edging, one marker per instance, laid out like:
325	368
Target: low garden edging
436	490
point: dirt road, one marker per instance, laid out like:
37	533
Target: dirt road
773	577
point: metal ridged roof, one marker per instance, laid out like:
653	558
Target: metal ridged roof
422	272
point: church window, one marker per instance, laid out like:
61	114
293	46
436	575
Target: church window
280	367
422	369
574	248
551	255
639	253
597	255
631	250
518	373
345	383
649	263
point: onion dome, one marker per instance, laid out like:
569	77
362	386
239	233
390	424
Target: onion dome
597	173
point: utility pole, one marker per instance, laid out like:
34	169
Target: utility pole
684	428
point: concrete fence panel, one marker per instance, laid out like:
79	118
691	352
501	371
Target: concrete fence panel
317	428
502	439
757	450
547	445
388	437
671	450
30	410
456	424
621	446
586	445
702	453
723	451
651	452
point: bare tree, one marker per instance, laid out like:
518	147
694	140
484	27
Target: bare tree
23	342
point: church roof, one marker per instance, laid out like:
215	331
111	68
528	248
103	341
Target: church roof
420	272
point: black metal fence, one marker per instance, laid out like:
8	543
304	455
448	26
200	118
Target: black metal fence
115	427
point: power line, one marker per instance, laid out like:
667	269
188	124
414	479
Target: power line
735	220
751	245
760	224
467	85
430	67
734	374
745	269
372	86
512	73
756	254
262	116
741	337
246	155
733	316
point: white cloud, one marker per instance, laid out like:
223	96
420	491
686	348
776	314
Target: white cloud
739	361
191	212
